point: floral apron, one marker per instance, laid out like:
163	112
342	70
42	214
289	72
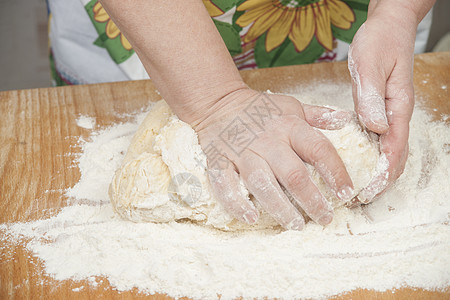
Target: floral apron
257	33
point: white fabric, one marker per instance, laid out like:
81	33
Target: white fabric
77	59
72	37
423	31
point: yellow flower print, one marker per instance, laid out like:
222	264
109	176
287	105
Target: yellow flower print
111	30
212	9
281	19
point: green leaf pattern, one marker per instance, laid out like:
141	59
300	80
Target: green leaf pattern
286	54
114	46
231	32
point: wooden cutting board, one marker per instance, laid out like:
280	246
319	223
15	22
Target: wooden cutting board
37	127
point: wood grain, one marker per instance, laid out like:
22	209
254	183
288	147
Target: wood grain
38	130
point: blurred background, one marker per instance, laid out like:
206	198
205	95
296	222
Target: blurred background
24	48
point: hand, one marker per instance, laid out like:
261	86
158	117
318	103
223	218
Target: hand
267	139
380	61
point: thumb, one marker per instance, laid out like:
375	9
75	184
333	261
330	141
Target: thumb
369	85
371	106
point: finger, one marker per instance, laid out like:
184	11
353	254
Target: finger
227	189
393	144
294	176
259	180
355	202
314	148
369	83
370	107
403	159
399	109
325	117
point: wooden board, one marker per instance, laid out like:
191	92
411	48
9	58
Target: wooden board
38	126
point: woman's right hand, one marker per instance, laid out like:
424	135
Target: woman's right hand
267	139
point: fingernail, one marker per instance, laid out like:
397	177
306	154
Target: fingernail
374	108
377	185
346	193
353	202
364	197
250	217
296	224
375	119
325	219
381	118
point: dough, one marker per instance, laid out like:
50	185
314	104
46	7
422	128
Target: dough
144	137
163	176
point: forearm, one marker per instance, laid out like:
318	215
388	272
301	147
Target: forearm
181	50
414	10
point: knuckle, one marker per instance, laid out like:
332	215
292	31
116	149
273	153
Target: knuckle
297	179
340	176
320	149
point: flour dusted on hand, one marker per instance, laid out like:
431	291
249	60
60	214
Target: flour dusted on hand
163	177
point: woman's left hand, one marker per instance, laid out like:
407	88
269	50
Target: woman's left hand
380	61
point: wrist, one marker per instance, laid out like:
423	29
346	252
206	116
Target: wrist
408	11
231	104
193	107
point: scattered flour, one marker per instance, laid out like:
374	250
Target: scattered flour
403	239
85	122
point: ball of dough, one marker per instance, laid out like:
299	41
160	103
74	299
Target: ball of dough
163	177
144	137
139	191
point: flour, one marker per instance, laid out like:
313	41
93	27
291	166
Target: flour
85	122
100	158
400	240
